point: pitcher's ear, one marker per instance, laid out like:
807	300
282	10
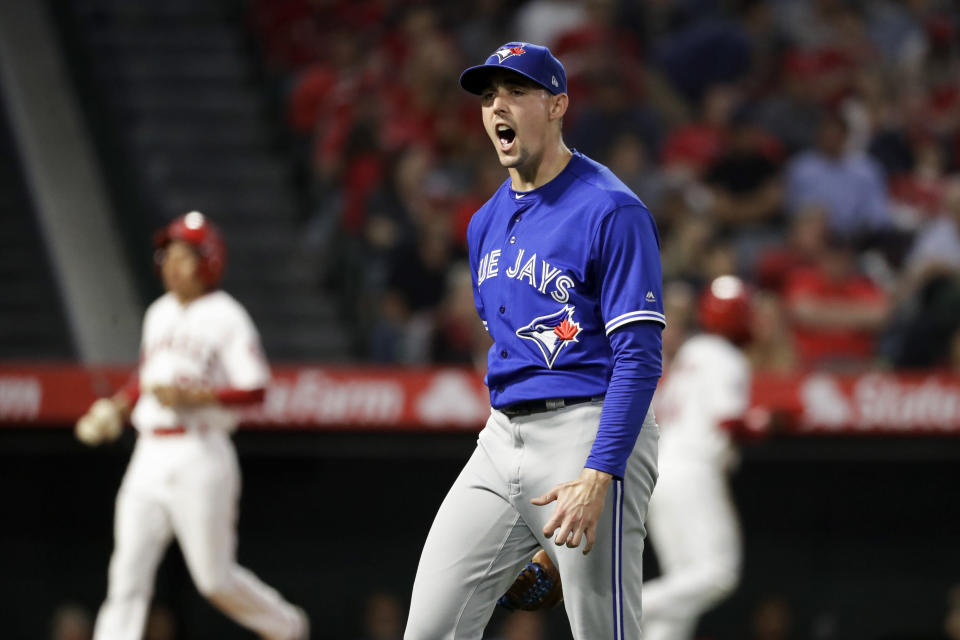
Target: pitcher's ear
558	106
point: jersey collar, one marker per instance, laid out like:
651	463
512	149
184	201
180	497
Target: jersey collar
551	189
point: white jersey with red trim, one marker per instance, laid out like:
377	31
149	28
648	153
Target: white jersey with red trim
209	342
707	383
183	480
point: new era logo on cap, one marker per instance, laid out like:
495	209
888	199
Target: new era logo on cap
529	60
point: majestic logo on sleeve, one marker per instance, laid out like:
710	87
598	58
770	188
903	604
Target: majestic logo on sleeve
508	52
552	333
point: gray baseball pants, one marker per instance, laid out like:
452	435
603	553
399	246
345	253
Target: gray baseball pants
486	530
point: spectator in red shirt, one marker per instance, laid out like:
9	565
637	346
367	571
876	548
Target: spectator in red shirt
835	311
805	240
693	148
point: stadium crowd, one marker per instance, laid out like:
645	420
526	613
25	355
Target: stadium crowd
810	146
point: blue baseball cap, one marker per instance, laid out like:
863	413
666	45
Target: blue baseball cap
529	60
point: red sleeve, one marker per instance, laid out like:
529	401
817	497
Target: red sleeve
131	390
240	397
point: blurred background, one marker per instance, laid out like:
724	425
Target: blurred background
810	146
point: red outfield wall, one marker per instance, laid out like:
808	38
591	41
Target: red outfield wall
429	399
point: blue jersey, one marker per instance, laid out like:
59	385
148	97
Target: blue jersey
555	271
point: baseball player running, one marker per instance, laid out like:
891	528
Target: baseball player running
566	269
693	525
200	356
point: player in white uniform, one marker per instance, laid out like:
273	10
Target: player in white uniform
200	356
691	519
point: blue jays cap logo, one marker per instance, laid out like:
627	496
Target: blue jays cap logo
507	52
552	333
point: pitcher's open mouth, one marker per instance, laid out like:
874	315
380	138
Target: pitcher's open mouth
506	135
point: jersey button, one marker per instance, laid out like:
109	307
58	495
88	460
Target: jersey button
513	239
503	309
503	354
516	218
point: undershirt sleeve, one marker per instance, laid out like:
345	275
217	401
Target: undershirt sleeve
637	348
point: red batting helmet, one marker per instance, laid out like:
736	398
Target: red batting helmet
725	309
196	229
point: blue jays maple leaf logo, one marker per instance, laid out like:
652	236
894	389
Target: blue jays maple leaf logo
552	333
505	52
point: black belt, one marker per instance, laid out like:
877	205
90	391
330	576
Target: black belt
527	407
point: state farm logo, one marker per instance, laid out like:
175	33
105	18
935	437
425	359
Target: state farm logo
20	398
887	402
825	405
878	402
315	398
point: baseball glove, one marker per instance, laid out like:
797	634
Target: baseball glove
537	587
101	423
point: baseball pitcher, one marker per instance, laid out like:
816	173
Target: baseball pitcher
566	269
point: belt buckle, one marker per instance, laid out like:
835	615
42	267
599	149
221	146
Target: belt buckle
555	403
518	409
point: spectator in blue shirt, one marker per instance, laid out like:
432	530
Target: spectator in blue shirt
850	186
